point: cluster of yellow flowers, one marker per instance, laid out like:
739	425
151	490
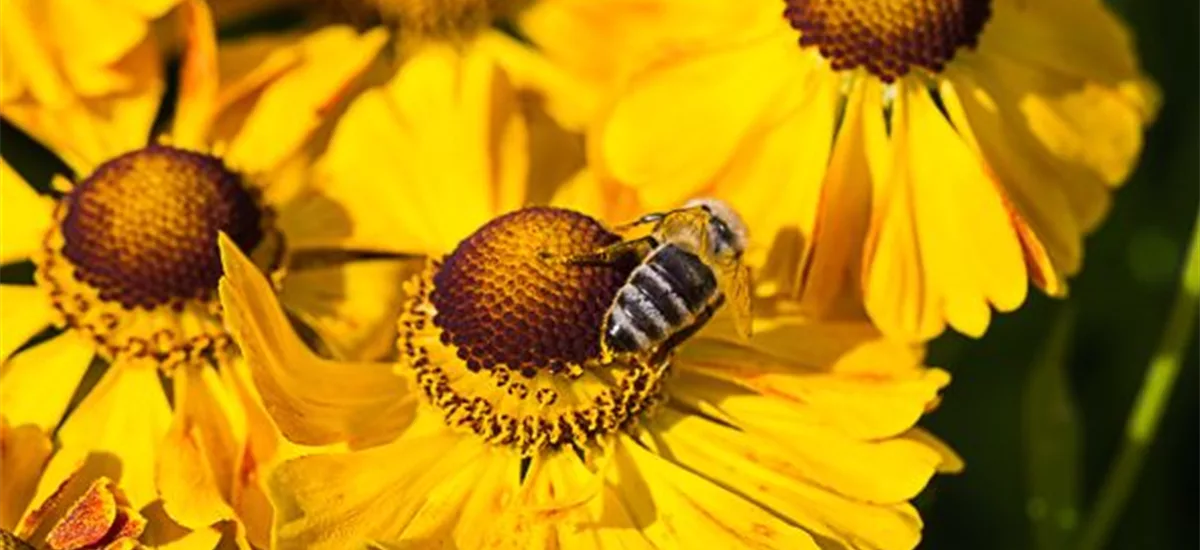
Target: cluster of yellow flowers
294	296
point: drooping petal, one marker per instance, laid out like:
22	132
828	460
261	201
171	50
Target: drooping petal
194	472
24	450
860	156
36	386
24	217
124	421
473	497
24	312
431	137
353	306
314	401
677	508
969	250
348	500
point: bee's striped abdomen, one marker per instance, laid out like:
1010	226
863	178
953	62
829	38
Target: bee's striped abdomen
663	295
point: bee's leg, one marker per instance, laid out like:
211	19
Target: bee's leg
607	255
654	218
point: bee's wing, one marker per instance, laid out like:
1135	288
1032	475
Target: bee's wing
734	279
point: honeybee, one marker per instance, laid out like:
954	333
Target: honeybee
691	263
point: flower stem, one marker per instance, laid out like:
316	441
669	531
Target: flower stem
1149	406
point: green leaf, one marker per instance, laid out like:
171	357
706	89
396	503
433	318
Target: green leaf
1052	441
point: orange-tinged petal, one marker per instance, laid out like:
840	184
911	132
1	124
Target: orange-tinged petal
100	517
679	125
314	401
24	312
677	508
353	306
345	500
839	235
431	137
37	384
970	253
195	469
198	83
287	112
24	450
1033	185
24	217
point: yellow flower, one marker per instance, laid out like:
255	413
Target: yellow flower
127	267
500	427
84	511
934	157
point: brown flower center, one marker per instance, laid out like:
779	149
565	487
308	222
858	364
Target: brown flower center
142	229
504	342
888	37
501	303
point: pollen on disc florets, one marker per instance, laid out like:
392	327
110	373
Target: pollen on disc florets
888	37
502	303
503	335
133	262
142	229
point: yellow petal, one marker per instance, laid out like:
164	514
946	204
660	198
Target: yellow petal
195	469
85	132
568	100
605	44
314	401
898	288
197	78
679	125
353	306
969	250
884	471
858	406
37	385
345	500
124	420
839	235
1099	46
288	111
679	509
24	450
775	189
474	496
1040	192
430	138
24	312
24	216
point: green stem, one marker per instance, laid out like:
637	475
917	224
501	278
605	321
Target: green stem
1149	406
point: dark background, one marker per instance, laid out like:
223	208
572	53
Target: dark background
1119	305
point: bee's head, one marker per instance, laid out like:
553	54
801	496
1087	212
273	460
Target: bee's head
726	229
